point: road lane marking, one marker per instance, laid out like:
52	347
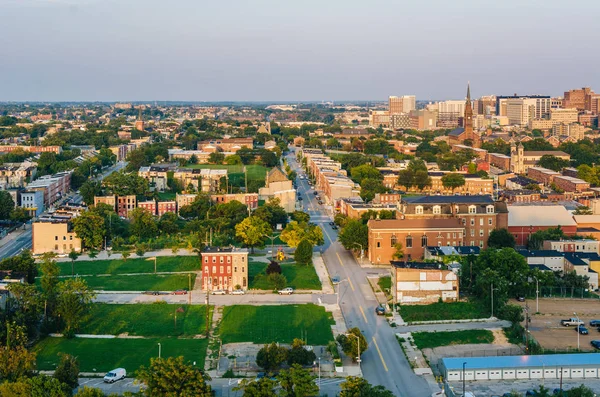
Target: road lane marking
380	355
327	234
351	285
340	259
362	312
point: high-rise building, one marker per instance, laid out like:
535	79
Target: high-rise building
520	110
403	104
486	105
576	98
379	118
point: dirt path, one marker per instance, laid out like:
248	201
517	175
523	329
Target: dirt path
499	337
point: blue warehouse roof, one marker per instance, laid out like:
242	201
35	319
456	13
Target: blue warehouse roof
546	360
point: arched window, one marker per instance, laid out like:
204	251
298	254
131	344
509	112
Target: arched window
393	240
424	241
408	241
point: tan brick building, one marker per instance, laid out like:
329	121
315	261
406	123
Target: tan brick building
576	98
54	236
423	283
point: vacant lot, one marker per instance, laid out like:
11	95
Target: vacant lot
142	282
235	173
102	355
132	265
266	324
425	340
443	311
155	319
298	277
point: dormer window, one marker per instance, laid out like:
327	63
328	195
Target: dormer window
489	209
437	209
472	209
419	210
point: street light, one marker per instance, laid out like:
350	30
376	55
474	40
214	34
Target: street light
492	289
159	349
357	347
319	375
362	250
537	295
338	291
463	376
578	328
272	244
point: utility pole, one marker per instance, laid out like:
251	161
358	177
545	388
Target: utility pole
527	328
189	288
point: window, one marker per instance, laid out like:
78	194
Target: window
242	269
221	259
206	259
235	269
480	243
437	209
228	259
56	247
243	259
472	222
454	235
424	241
464	221
489	209
228	269
480	232
490	221
448	235
419	209
220	269
472	209
55	238
472	233
244	282
214	269
393	240
71	238
214	259
408	241
480	221
456	209
472	243
379	244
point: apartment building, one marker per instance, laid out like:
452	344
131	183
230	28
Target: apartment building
184	199
250	200
400	121
499	160
125	204
403	104
54	186
423	283
157	175
162	207
576	98
33	201
379	118
330	177
149	205
542	175
16	175
31	149
572	130
522	109
584	245
54	233
571	184
224	269
423	119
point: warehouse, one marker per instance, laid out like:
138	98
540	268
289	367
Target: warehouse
572	366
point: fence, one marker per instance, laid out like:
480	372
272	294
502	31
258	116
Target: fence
563	292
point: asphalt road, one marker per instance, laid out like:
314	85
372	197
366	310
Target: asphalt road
384	362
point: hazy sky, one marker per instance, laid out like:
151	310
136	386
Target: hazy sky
109	50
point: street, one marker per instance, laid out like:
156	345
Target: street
384	362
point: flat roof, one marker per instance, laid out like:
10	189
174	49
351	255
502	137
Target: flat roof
544	360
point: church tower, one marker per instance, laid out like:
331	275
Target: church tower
468	119
139	124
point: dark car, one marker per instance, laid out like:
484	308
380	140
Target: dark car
520	298
331	223
380	310
315	193
320	202
300	198
334	227
151	293
595	323
595	343
582	330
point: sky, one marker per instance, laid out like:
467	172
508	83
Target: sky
294	50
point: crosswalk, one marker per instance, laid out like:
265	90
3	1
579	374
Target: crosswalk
329	381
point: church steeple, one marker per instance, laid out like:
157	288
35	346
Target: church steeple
469	91
468	118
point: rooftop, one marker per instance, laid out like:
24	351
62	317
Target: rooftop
539	215
382	224
544	360
478	199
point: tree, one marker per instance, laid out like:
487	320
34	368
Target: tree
536	240
67	370
20	214
49	283
90	228
552	162
300	216
354	386
143	224
264	387
216	158
350	344
512	313
273	213
354	235
422	179
89	190
26	307
37	386
270	357
406	178
583	210
581	391
169	223
297	382
277	280
16	362
370	187
453	180
273	267
23	264
304	252
73	255
173	377
295	232
89	392
298	355
73	304
398	251
365	171
252	231
198	208
233	159
501	238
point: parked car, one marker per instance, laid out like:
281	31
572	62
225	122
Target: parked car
179	292
380	310
238	292
331	223
595	323
595	343
300	198
151	293
115	375
335	280
582	330
219	292
334	227
520	298
571	321
315	193
286	291
320	202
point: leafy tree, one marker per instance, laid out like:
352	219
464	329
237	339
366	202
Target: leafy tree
421	179
298	355
273	213
169	223
370	187
365	171
198	208
300	216
90	228
216	158
264	387
16	362
37	386
67	370
252	231
453	180
354	235
270	357
73	304
512	313
73	255
273	267
536	240
588	174
583	210
398	251
234	159
297	382
350	344
173	377
20	214
23	264
89	190
538	144
406	178
125	254
501	238
89	392
359	387
277	280
382	214
26	307
304	252
143	224
49	283
295	232
553	162
581	391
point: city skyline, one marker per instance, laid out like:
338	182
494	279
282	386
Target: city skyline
265	51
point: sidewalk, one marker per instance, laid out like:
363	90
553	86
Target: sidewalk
323	274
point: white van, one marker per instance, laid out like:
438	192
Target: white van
115	375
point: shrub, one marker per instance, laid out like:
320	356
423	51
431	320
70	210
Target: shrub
278	281
274	267
303	254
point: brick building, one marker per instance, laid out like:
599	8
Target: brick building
524	220
224	268
571	184
423	283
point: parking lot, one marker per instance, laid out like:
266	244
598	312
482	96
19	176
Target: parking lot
545	327
498	388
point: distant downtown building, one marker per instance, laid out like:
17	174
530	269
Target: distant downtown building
402	104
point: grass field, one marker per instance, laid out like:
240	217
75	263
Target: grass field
425	340
385	283
132	265
103	355
298	277
142	282
266	324
443	311
155	319
166	196
235	173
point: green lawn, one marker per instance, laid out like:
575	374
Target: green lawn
102	355
155	319
443	311
167	196
425	340
385	283
132	265
298	277
266	324
142	282
236	172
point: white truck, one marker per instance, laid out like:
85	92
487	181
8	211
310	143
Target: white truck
115	375
571	321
